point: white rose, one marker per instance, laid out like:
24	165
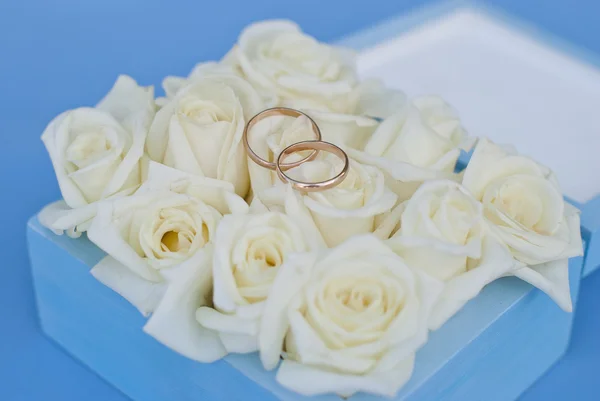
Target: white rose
442	232
248	250
349	319
525	208
421	141
279	59
96	153
200	129
353	207
167	223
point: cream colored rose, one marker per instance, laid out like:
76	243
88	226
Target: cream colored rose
525	208
279	59
293	70
96	154
442	232
248	251
353	207
200	129
421	141
167	223
346	320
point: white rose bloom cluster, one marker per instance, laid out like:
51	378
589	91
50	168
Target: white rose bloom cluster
336	289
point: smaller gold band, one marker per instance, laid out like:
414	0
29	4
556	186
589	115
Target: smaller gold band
317	146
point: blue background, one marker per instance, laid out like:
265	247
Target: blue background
61	54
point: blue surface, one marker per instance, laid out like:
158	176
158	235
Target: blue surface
590	220
489	351
66	53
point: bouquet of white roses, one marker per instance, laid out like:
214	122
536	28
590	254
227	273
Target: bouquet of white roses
335	288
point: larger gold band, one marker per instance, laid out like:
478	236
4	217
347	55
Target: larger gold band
317	146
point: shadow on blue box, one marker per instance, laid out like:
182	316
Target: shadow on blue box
590	230
493	349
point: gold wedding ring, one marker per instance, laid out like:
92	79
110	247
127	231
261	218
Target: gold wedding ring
316	146
278	111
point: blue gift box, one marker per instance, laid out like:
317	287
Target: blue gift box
493	349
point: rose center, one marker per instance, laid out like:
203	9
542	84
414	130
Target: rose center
203	112
355	308
175	241
87	148
256	260
358	296
265	254
455	217
356	300
520	204
176	232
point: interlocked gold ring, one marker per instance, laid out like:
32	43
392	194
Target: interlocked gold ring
278	111
317	146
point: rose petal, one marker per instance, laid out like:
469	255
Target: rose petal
377	100
314	351
156	142
221	322
575	247
171	85
179	150
274	324
251	37
218	194
407	172
127	98
552	278
336	224
239	344
496	261
308	380
490	161
106	236
55	133
128	169
143	294
429	291
345	130
58	217
301	216
257	207
174	321
388	223
226	295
